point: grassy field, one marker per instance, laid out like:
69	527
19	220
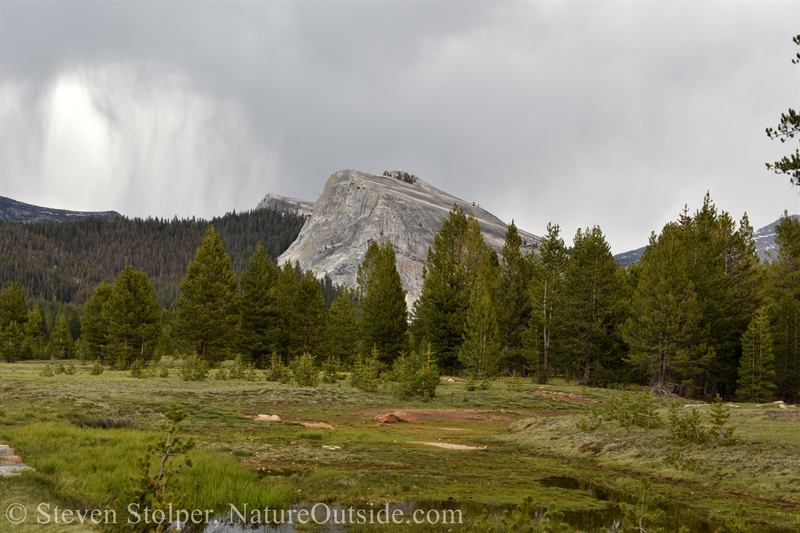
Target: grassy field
528	445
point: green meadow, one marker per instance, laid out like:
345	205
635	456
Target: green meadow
520	438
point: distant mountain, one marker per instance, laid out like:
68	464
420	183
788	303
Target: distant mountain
14	211
764	238
629	258
355	208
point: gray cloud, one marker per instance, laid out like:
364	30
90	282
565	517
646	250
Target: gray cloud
579	113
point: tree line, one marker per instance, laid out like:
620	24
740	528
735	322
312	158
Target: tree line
66	261
698	315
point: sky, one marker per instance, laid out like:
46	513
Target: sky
614	114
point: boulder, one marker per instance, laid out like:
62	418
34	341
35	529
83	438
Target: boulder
267	418
402	416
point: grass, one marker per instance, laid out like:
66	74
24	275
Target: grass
58	424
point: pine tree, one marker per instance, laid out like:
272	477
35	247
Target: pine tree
385	315
546	295
260	313
94	322
757	366
61	342
664	331
513	299
723	266
309	316
208	309
784	294
285	290
34	334
342	330
12	340
480	351
452	266
134	318
592	309
13	305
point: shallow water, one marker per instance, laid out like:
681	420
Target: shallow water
588	520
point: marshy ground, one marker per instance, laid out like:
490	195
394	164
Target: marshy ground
514	444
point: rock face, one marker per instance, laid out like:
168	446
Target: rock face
15	211
286	205
355	208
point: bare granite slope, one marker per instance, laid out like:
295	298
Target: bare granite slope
286	204
356	207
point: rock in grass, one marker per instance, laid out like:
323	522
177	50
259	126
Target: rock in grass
267	418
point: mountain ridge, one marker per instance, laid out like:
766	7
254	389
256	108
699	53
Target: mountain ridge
15	211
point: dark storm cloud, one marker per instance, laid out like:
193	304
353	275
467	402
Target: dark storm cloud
580	113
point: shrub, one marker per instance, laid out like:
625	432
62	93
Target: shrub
330	369
686	428
515	384
47	371
221	374
629	411
416	375
593	420
164	373
720	431
238	369
97	368
366	372
70	370
277	371
194	368
250	372
138	370
306	374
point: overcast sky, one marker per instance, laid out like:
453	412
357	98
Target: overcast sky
582	113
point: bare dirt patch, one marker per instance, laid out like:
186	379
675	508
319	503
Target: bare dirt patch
449	446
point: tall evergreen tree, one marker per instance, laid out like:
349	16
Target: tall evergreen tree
513	299
452	266
285	291
310	313
134	318
664	331
592	309
34	334
784	293
208	309
385	320
13	305
546	296
94	323
757	366
342	330
723	265
261	318
12	342
480	351
61	343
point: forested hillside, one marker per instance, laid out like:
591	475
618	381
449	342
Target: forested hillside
66	261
